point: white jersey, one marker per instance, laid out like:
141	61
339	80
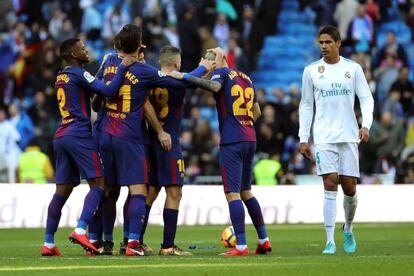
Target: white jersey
332	88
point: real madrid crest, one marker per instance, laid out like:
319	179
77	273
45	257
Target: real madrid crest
347	75
321	69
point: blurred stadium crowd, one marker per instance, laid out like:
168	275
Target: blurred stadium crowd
270	39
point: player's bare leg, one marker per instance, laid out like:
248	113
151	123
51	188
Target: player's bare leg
237	217
54	213
91	204
136	215
172	204
330	183
348	184
255	212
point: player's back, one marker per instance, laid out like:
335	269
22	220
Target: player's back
235	106
168	103
74	102
124	113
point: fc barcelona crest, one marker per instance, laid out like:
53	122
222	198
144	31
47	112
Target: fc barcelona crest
347	75
321	69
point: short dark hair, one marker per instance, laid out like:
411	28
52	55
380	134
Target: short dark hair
129	38
116	42
67	46
332	31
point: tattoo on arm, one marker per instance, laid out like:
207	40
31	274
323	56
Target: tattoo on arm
213	86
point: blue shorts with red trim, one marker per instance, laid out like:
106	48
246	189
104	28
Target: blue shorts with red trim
76	157
149	154
125	160
236	164
169	165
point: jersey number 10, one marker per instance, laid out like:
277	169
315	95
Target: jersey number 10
242	106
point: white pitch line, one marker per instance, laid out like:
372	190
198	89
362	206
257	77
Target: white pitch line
184	265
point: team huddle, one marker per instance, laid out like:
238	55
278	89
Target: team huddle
135	143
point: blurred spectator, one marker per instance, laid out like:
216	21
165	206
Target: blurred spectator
114	19
234	54
22	122
410	22
91	20
362	32
392	47
393	106
189	39
9	149
56	22
68	31
207	40
266	170
388	140
34	165
373	10
345	11
170	32
385	76
406	90
221	31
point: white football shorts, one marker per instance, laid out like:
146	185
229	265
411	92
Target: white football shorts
340	158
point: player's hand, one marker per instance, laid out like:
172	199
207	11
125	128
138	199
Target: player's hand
363	135
216	50
165	140
128	60
175	74
209	64
305	151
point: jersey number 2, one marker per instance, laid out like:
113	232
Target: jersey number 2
62	101
242	106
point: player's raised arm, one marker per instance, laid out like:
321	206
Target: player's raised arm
366	103
210	85
151	116
111	89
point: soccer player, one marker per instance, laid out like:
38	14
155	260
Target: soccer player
121	135
74	150
237	109
169	165
331	84
108	213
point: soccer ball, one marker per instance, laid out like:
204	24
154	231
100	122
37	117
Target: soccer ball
228	237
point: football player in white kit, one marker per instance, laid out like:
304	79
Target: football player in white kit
331	84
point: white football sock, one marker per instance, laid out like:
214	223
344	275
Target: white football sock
262	241
80	231
350	205
329	214
49	245
241	247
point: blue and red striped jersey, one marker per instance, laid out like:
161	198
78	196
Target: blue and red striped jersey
124	113
74	86
235	106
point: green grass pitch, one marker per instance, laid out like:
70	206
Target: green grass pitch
383	249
